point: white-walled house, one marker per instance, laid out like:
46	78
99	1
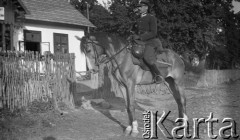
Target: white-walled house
52	25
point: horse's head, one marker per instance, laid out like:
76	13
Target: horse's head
94	52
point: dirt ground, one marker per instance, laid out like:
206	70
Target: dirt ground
106	119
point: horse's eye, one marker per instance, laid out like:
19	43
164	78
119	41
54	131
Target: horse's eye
88	51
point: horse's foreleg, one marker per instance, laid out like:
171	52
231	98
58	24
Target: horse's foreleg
133	125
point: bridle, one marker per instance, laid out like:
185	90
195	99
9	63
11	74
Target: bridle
107	58
97	61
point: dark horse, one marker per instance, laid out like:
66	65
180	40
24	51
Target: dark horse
128	74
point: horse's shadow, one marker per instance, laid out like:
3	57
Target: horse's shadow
109	116
120	107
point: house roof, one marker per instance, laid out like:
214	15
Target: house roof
21	5
58	11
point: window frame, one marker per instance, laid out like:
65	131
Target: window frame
54	42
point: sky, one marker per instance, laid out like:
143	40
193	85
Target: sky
101	1
235	4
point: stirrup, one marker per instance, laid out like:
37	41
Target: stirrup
161	80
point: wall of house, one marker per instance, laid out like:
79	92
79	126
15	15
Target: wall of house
47	36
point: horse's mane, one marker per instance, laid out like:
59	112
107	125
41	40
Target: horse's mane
83	41
108	40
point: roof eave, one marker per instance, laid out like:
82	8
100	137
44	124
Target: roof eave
28	19
24	7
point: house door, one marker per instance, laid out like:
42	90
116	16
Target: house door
60	43
32	40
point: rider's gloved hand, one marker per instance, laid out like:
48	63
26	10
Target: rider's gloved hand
130	38
136	37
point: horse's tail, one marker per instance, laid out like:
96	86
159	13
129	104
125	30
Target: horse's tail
198	69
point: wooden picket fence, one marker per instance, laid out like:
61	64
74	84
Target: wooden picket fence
108	87
211	78
25	77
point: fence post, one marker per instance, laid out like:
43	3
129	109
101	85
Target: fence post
72	84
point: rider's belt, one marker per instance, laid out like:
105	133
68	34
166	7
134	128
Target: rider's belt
142	32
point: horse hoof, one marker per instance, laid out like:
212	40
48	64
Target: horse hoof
128	131
134	133
185	117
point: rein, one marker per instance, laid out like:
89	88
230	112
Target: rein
111	57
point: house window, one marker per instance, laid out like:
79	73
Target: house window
32	40
60	43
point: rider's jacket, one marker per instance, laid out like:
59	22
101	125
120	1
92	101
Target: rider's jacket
147	27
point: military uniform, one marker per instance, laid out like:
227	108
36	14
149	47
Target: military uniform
147	31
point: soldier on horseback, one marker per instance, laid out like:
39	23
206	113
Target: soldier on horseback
146	31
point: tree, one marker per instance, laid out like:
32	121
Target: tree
98	15
225	53
198	26
123	16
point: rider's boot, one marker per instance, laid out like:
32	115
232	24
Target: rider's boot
158	78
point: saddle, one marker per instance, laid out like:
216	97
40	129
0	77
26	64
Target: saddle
137	56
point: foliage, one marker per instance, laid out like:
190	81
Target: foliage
201	27
225	53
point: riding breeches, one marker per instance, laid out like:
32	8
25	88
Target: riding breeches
151	47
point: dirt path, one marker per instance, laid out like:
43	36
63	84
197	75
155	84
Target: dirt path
101	124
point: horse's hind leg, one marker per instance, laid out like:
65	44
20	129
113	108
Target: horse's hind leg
178	94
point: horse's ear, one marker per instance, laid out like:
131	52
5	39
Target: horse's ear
78	38
93	38
86	34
